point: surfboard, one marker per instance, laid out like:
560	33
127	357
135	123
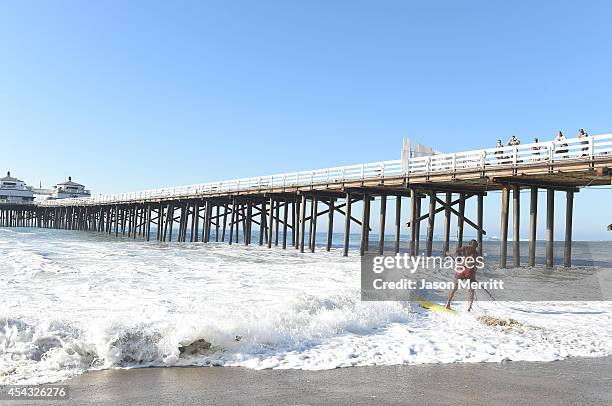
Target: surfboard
434	307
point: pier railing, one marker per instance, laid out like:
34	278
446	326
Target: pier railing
521	155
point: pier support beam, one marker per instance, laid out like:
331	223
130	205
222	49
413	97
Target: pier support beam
447	223
195	222
285	218
364	225
383	219
247	222
479	221
330	224
533	220
569	210
209	211
276	222
262	223
460	220
296	223
505	203
550	225
414	219
516	225
302	222
224	222
217	218
430	224
313	223
398	222
233	220
271	223
160	222
347	224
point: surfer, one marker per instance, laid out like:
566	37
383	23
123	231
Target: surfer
467	270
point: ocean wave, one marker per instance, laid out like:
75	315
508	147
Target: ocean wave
71	305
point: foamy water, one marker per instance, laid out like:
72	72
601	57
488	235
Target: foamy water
77	301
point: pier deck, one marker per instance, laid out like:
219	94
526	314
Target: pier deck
289	204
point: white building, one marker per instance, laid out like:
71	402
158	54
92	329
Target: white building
69	189
13	190
64	190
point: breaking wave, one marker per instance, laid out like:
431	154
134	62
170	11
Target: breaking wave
73	302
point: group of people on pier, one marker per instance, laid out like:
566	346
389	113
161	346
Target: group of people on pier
562	146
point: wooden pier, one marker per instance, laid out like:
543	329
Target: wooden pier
285	208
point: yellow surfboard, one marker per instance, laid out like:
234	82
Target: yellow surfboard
434	307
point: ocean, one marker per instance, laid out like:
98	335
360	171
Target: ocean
78	301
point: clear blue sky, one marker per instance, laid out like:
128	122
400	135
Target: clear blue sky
129	95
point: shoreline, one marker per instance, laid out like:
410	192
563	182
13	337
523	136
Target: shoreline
569	381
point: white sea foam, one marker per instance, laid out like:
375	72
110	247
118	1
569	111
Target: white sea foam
75	301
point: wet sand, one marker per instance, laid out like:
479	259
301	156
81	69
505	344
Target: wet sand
581	381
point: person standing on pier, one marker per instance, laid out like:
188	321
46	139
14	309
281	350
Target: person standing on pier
560	138
499	152
536	149
583	135
467	270
513	141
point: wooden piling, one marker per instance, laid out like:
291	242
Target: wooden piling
248	226
148	231
516	222
195	222
262	223
205	220
383	220
430	224
239	212
461	220
330	224
550	225
413	221
417	227
505	205
217	222
479	221
224	222
347	224
533	219
364	225
270	223
276	221
313	223
296	224
285	219
233	220
398	223
302	222
160	222
170	221
447	223
569	211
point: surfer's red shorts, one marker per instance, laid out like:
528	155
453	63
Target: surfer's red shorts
467	273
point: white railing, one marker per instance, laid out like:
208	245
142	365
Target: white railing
513	156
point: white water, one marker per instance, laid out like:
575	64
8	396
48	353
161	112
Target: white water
75	301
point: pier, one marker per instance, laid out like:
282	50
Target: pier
283	210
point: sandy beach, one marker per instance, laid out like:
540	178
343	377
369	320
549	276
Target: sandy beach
581	381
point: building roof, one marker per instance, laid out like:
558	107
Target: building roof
9	178
70	183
